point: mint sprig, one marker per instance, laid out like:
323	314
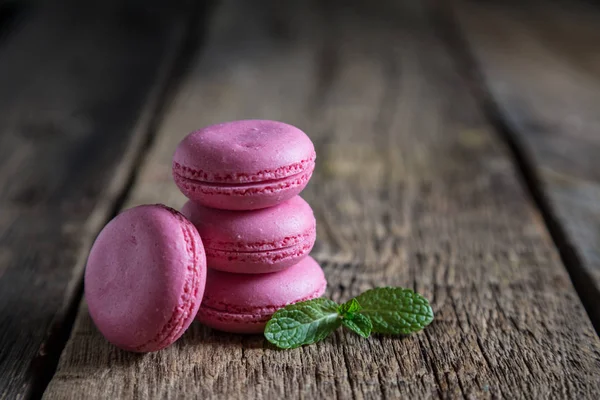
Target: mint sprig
301	323
395	310
390	310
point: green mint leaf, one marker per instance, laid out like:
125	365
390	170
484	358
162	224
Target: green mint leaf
303	323
349	308
360	324
395	310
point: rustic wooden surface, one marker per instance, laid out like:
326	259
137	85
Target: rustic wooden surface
78	85
540	63
413	187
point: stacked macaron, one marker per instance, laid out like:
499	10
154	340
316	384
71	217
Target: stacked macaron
242	179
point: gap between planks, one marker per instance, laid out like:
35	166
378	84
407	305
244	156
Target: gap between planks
453	35
32	376
185	43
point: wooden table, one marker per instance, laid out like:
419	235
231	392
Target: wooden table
458	154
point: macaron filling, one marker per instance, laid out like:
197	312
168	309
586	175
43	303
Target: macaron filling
246	187
276	256
261	246
204	177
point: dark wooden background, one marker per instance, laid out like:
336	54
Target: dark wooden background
458	152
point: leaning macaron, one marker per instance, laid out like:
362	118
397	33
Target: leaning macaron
244	303
253	242
145	278
244	165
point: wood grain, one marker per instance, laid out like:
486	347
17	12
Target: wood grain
78	85
412	188
539	62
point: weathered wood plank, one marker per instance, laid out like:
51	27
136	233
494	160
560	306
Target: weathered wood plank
78	86
539	62
412	188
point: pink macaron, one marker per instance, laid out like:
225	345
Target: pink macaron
244	165
145	278
253	242
242	303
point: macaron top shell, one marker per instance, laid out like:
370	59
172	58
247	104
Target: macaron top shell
283	225
145	278
244	152
263	293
